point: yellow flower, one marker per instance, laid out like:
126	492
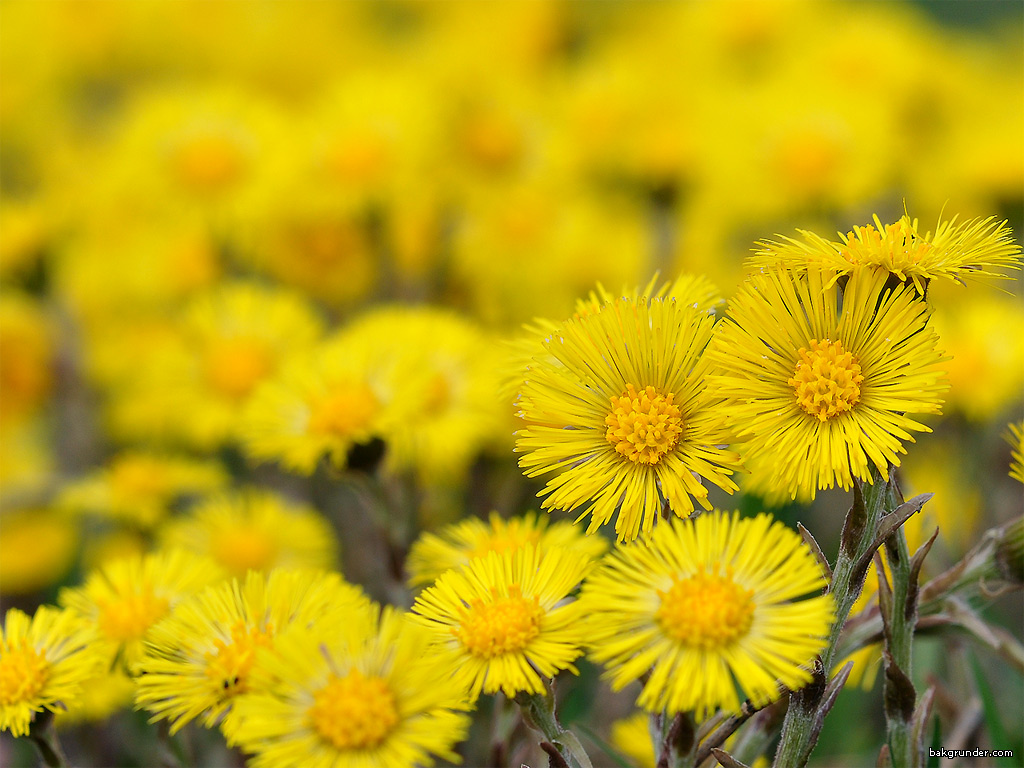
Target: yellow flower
198	659
239	336
37	548
632	737
618	407
44	662
704	606
104	694
1015	437
957	252
126	597
441	369
822	391
368	692
255	530
139	488
507	618
321	406
456	545
27	357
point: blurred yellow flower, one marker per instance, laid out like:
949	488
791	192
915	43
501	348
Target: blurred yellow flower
197	660
139	488
126	597
28	351
37	549
456	545
255	530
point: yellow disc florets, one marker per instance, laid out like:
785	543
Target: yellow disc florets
346	411
228	667
897	247
128	617
354	711
502	625
643	426
706	611
23	673
235	366
827	379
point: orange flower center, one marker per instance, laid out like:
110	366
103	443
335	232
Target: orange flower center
208	163
23	673
827	380
643	426
355	711
706	611
501	625
228	666
129	617
346	411
235	366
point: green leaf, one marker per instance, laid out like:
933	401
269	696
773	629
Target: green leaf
994	723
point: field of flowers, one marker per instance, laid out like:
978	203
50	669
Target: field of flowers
591	384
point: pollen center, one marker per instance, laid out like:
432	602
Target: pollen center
235	366
228	666
501	625
827	379
129	617
706	611
209	163
643	426
346	411
245	548
354	711
23	673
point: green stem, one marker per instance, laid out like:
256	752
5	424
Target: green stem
539	713
42	734
802	723
900	696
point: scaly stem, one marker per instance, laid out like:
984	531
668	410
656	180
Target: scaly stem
900	619
42	734
803	719
539	713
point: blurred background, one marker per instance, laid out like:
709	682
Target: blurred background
495	161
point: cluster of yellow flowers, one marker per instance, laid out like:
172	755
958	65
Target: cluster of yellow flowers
264	269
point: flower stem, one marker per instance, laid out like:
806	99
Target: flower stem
900	617
806	712
42	734
539	713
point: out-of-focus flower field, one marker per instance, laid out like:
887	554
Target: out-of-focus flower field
292	295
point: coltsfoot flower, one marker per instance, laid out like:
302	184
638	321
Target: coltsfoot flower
705	606
44	662
506	618
618	408
819	383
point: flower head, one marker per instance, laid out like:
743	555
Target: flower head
44	662
197	661
822	381
255	530
704	606
369	692
126	597
957	252
455	545
507	619
618	408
